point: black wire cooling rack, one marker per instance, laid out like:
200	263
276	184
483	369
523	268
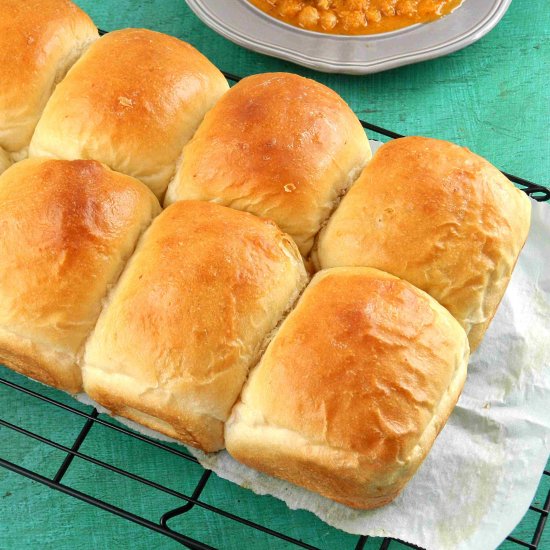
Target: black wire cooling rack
191	499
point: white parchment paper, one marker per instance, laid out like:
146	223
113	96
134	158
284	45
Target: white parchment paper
483	470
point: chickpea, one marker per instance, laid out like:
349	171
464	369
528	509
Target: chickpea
373	15
324	4
407	8
328	20
289	8
308	17
353	19
388	10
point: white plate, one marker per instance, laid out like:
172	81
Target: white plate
247	26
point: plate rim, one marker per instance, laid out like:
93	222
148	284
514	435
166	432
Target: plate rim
203	10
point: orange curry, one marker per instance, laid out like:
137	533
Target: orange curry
356	16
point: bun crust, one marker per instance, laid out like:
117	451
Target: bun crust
353	389
279	146
5	161
189	317
67	229
438	216
39	41
133	101
198	321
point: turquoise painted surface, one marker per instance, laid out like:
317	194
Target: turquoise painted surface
493	97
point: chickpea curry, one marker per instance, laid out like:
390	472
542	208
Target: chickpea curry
356	16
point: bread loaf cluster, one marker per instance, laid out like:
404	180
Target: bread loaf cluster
321	335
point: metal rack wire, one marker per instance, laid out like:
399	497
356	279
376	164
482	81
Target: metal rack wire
191	499
188	500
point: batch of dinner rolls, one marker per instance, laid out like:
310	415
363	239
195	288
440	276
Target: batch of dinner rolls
306	307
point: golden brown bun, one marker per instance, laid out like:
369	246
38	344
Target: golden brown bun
353	389
66	231
438	216
39	41
5	161
133	101
279	146
188	318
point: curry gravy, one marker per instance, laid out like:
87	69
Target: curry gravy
352	17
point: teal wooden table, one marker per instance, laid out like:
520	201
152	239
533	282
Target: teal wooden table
493	97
